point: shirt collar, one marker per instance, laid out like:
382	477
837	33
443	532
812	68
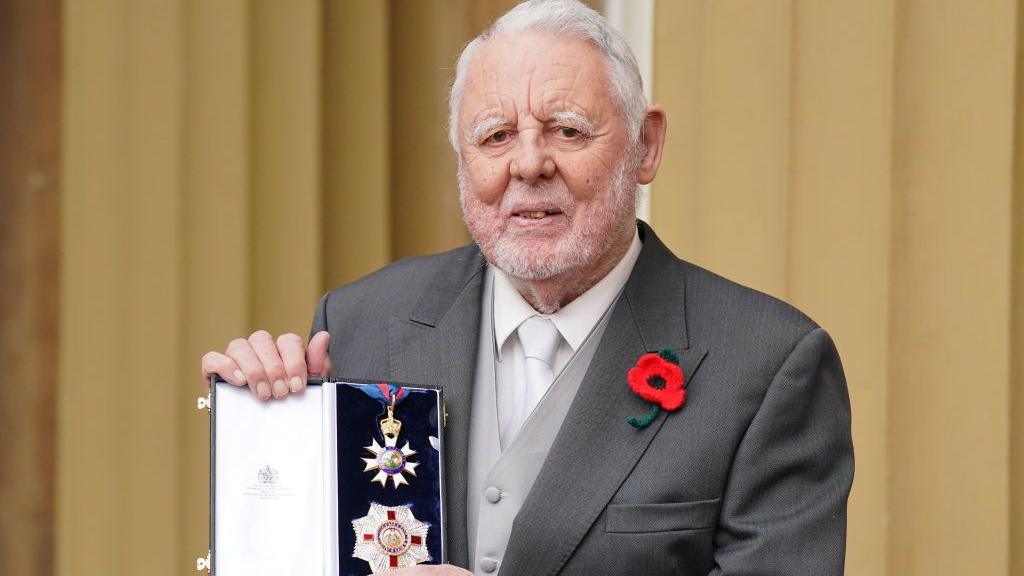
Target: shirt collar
577	319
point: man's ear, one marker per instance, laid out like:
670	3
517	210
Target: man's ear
655	126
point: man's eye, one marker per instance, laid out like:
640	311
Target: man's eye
569	133
497	137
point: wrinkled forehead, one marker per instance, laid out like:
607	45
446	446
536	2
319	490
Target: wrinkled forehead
535	74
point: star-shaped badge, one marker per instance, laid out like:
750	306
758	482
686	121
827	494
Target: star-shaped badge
390	462
390	538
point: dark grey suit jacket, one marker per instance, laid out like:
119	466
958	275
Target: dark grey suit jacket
749	477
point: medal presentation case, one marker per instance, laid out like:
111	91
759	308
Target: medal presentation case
343	479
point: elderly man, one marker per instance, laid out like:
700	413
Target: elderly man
556	462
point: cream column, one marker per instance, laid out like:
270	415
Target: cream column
634	19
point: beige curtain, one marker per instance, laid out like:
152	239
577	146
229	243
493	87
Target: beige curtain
225	162
860	160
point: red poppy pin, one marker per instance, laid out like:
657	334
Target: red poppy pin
657	378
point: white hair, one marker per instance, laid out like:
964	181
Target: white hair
570	18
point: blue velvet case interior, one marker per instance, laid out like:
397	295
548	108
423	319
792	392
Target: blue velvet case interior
359	416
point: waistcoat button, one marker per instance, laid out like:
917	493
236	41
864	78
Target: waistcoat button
492	494
489	565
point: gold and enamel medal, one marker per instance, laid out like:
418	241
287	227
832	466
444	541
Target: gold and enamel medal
390	538
388	460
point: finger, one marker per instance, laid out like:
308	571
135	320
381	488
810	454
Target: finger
293	353
242	353
217	363
263	343
317	356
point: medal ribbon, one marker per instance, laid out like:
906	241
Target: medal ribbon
384	393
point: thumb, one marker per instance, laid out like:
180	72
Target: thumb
317	358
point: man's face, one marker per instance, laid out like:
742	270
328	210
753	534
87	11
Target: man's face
546	171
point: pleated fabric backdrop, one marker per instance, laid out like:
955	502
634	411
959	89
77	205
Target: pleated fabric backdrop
860	160
223	163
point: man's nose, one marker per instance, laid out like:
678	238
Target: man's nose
532	160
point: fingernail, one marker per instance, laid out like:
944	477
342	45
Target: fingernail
280	388
239	377
296	383
263	390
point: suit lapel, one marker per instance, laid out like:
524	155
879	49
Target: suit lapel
596	449
437	344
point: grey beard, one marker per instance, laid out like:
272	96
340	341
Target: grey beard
575	252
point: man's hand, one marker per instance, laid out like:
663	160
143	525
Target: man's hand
432	570
269	367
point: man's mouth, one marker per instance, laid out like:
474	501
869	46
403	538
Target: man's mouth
537	214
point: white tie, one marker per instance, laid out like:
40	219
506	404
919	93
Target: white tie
539	338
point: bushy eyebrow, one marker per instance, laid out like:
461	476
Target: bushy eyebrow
567	117
481	128
574	120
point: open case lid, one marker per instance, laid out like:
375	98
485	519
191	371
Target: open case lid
279	504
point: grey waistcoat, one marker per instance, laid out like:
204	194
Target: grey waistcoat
498	482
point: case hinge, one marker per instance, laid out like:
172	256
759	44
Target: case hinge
203	402
203	564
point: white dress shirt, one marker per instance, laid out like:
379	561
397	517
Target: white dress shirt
574	322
